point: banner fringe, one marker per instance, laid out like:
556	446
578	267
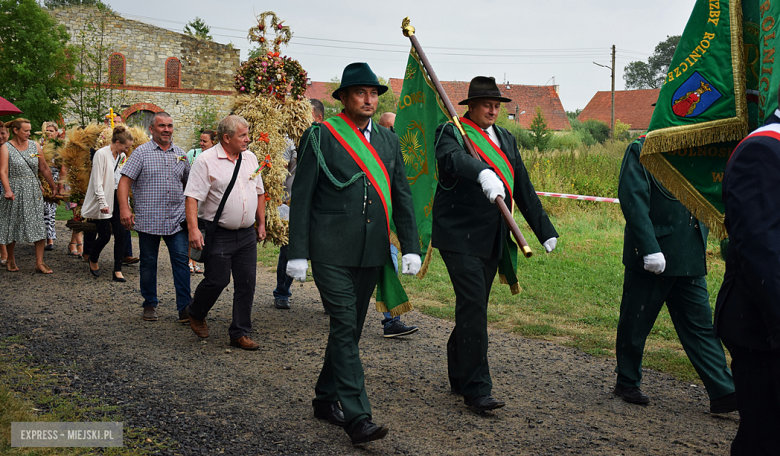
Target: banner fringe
396	311
681	137
686	193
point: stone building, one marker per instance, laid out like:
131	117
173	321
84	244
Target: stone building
155	70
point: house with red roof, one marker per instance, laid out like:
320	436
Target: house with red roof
522	108
632	107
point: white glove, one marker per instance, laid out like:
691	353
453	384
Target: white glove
550	244
297	269
410	264
491	184
655	262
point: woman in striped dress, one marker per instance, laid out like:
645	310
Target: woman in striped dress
50	131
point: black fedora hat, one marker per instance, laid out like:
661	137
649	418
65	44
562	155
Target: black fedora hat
359	74
484	87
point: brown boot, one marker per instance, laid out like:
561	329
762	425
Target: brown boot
244	342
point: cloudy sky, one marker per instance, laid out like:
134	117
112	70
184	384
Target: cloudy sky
532	42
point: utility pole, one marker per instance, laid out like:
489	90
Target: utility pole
612	68
612	129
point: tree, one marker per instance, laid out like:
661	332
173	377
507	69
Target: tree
34	62
539	130
651	74
198	29
94	92
572	115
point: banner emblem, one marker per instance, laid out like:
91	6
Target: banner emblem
694	96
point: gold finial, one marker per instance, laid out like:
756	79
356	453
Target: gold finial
406	27
527	252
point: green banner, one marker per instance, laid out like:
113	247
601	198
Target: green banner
420	111
702	109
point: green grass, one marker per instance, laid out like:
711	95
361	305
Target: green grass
27	394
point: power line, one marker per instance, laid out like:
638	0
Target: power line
580	52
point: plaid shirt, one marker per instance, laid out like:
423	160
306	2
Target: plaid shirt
159	178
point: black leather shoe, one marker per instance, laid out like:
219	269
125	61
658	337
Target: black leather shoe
484	403
328	411
632	395
282	304
116	278
725	404
94	272
366	431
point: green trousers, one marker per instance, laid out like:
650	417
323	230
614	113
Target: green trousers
345	293
689	306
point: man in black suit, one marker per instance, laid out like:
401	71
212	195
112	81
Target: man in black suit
470	234
747	314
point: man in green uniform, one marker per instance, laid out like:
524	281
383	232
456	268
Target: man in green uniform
351	182
470	234
664	252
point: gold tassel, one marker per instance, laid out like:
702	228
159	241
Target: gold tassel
515	288
426	262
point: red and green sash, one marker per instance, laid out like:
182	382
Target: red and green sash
347	134
496	158
390	294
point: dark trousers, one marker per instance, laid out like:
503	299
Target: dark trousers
128	243
89	241
345	295
236	251
467	347
757	379
104	228
283	281
689	306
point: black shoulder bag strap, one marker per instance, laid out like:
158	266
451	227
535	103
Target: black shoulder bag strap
212	226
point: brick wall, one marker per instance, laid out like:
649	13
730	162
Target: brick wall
206	68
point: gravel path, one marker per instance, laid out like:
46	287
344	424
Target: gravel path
207	398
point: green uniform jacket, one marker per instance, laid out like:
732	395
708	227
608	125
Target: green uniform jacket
329	225
464	219
658	222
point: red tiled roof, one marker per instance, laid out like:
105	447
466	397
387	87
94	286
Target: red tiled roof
633	107
319	90
524	98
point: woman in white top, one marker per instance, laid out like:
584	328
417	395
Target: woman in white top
100	201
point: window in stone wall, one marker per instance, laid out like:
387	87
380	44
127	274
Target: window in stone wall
116	69
172	72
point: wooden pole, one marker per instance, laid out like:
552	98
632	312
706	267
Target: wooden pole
502	207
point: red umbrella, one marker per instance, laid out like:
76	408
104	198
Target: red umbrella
6	107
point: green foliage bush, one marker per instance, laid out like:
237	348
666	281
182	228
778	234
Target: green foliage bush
596	129
565	141
589	170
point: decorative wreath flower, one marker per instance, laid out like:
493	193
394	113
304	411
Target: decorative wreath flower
271	73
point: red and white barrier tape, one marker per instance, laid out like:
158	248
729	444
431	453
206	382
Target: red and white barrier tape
598	199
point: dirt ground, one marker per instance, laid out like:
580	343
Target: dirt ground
205	397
